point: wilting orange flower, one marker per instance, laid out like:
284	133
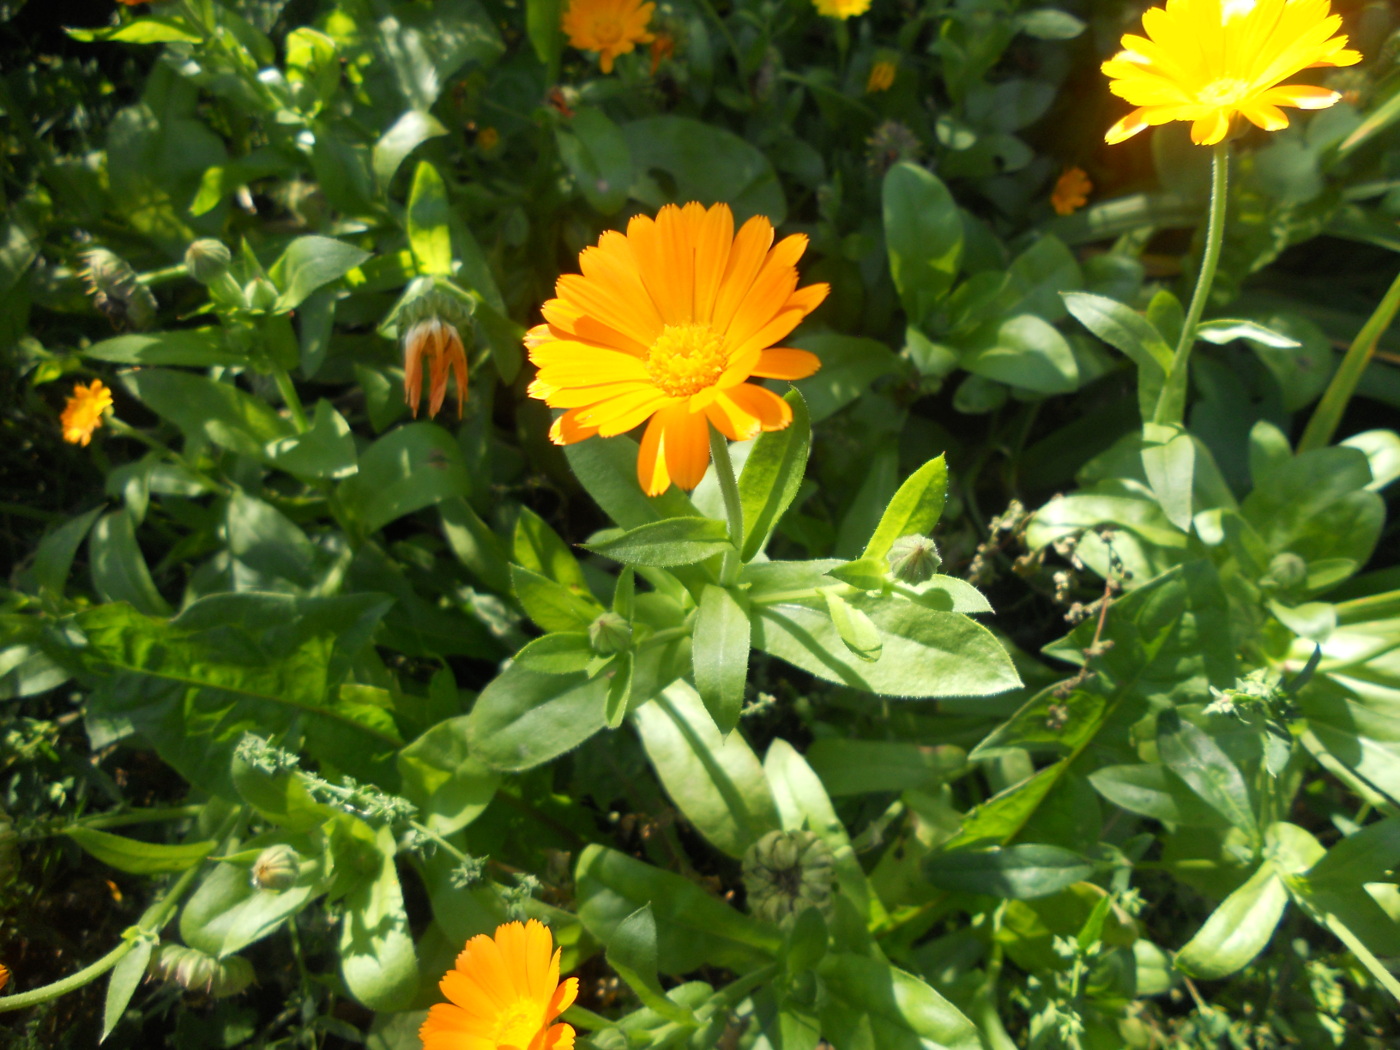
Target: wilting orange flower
437	340
881	76
1207	60
505	994
609	27
662	47
667	322
1071	191
841	8
4	976
83	412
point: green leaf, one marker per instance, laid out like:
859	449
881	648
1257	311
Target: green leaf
309	263
406	470
1224	331
1152	790
542	24
849	366
523	718
923	236
561	652
1021	872
442	778
1239	929
325	450
552	606
196	347
693	929
1169	461
122	983
631	951
139	31
926	652
426	218
858	767
1197	759
54	558
1024	352
667	543
716	781
619	678
871	1003
136	857
720	650
595	151
538	548
706	164
869	574
119	572
227	665
1049	23
409	132
266	541
1122	328
854	628
772	475
913	511
203	408
377	958
607	469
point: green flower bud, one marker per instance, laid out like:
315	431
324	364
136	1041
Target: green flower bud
1287	571
609	634
207	260
914	559
195	971
117	291
261	294
276	868
786	872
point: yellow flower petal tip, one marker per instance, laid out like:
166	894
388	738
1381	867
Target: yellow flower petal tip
440	344
665	325
881	76
841	8
609	27
1071	191
1207	61
84	410
504	993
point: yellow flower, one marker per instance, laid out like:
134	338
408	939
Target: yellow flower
437	340
841	8
83	413
1207	60
667	322
1071	191
609	27
881	76
505	993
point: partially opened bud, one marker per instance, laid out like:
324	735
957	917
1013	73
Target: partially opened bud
117	291
609	634
195	971
914	559
276	868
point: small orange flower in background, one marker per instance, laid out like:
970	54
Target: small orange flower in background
1071	191
83	413
881	76
841	8
1207	60
662	48
667	323
487	139
504	993
4	976
438	341
609	27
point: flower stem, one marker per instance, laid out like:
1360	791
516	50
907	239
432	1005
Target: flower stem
733	508
1328	412
1171	403
288	390
156	917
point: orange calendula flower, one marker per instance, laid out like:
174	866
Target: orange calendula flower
1071	191
1207	60
842	8
609	27
4	976
438	341
667	322
83	413
505	993
881	76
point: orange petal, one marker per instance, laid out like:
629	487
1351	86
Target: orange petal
782	362
771	411
687	446
1126	128
651	464
731	420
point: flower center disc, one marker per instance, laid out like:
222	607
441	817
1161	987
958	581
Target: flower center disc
686	358
607	29
1223	92
518	1024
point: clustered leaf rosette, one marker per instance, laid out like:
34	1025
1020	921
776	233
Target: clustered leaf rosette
666	325
1208	60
